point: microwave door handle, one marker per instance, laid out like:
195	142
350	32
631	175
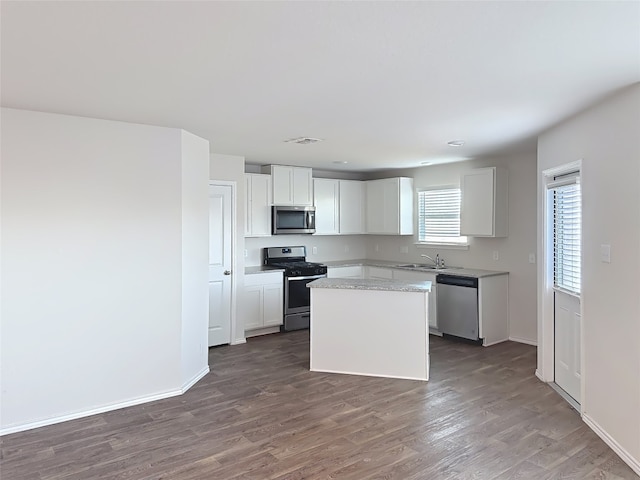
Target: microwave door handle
309	218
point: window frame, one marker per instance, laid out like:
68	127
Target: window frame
573	264
460	242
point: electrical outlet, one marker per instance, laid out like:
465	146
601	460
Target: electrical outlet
314	250
377	247
605	253
346	249
532	258
496	255
404	249
246	253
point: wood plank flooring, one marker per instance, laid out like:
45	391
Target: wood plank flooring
260	414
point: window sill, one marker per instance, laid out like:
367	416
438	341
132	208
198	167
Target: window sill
443	246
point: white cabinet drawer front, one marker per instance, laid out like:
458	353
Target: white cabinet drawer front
267	278
377	272
345	272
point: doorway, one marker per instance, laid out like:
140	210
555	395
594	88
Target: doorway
562	273
221	236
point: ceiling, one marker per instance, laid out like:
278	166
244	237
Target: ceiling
383	84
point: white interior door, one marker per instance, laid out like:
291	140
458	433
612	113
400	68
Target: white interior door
220	235
567	322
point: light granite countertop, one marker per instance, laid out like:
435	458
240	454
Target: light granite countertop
261	269
370	284
465	272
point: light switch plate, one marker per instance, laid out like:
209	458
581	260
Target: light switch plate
605	253
314	250
404	249
496	255
532	258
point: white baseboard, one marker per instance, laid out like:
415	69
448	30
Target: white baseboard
186	386
262	331
524	340
539	375
347	372
495	342
105	408
634	463
88	413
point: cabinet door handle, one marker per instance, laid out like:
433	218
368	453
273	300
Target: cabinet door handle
227	272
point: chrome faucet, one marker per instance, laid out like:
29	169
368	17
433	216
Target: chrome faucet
436	261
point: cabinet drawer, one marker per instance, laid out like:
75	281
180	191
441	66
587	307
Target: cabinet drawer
354	271
378	272
266	278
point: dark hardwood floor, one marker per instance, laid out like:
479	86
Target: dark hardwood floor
260	414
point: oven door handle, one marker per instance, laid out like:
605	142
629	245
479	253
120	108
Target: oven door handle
306	277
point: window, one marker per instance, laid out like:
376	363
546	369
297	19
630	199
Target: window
439	216
566	234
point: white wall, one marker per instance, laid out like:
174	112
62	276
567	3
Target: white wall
230	168
329	247
606	138
92	267
195	254
513	251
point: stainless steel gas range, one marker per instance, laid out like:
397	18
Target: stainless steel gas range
297	273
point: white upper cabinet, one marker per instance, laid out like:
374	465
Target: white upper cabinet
339	206
290	185
257	205
326	198
484	211
390	206
352	207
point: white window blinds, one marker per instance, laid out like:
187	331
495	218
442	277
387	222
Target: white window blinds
567	212
439	216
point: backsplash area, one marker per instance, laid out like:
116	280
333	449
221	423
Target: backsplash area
320	248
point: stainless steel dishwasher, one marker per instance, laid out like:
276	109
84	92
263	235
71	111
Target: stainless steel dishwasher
457	306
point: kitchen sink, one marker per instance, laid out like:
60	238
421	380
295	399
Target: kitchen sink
421	266
425	266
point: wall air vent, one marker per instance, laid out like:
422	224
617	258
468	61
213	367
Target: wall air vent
303	140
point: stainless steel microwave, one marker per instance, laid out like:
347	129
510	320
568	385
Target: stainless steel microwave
292	219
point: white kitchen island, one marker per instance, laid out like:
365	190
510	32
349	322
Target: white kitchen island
370	327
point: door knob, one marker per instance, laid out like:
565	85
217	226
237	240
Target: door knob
227	272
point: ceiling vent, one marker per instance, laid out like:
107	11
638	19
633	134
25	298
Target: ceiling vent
303	140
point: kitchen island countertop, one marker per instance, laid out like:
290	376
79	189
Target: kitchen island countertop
370	284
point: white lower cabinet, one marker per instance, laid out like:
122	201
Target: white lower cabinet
352	271
379	272
407	275
262	301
